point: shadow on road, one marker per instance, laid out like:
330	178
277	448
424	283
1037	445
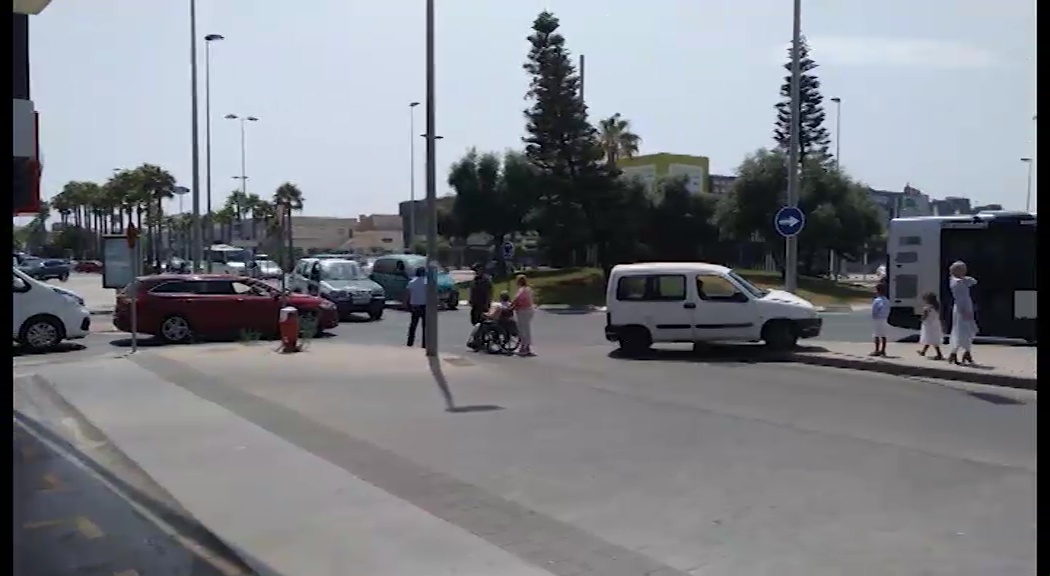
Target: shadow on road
61	348
714	353
153	341
983	340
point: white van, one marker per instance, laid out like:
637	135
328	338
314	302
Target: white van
45	315
697	302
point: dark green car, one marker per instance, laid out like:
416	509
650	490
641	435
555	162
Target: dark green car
341	282
393	273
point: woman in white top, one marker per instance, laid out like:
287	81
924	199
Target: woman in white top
932	332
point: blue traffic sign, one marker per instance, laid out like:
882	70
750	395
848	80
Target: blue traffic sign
508	250
789	221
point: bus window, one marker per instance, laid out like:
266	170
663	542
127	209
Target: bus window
907	257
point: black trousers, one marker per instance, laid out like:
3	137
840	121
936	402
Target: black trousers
477	312
419	316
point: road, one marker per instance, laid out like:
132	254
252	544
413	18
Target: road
66	521
683	463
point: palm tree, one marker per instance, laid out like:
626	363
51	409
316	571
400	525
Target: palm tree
225	217
617	140
156	185
288	198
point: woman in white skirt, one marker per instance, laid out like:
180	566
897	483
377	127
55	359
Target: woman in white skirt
964	323
880	313
932	332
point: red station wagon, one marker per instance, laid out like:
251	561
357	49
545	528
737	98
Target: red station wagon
181	308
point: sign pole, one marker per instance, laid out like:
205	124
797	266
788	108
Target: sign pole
791	242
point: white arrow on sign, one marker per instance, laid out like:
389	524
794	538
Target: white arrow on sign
789	222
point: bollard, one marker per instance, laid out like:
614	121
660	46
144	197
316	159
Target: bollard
289	324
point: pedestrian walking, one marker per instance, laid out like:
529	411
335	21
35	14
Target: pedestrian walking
417	305
480	295
524	309
931	334
880	313
964	323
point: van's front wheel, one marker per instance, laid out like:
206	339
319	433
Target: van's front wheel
779	335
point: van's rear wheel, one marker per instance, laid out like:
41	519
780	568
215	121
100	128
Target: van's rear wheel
635	340
779	335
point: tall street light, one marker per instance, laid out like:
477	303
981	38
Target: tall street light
195	235
838	144
412	172
430	330
1028	195
838	128
209	228
791	244
244	165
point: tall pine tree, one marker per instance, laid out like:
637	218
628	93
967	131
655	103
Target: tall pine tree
564	146
813	137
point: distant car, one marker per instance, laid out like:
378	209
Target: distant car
88	266
341	281
181	308
393	273
45	269
267	270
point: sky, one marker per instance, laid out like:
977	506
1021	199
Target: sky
939	93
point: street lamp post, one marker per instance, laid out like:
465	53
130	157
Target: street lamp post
209	228
430	330
244	162
412	174
791	244
838	129
1028	195
198	248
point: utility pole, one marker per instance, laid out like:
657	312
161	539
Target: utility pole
791	242
430	330
198	247
582	75
411	176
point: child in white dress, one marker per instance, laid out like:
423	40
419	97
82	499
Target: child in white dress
932	331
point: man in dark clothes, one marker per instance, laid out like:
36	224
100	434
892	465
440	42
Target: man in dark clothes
480	294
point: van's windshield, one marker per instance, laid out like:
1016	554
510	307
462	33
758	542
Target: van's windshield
751	289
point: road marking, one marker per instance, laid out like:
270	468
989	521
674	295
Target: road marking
126	573
51	483
43	524
87	528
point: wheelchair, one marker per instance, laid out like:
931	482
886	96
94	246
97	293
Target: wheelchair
495	337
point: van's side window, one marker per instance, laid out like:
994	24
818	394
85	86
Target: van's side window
716	288
657	287
631	288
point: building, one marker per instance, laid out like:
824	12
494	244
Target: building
720	185
376	234
908	203
368	233
25	161
650	168
952	206
406	210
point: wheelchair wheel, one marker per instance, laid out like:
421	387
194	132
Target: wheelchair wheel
509	343
492	341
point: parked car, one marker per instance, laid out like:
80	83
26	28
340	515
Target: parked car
696	302
393	273
88	266
181	308
45	269
340	281
45	315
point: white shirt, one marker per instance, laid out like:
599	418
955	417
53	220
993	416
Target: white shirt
417	291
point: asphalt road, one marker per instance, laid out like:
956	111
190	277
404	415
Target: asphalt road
67	522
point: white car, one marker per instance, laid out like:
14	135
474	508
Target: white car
45	315
697	302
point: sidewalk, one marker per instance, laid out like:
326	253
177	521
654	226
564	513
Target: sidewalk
285	510
997	365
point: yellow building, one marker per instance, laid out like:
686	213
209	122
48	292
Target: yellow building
650	168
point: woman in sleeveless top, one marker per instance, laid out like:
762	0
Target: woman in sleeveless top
523	308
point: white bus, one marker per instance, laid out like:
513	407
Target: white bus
999	251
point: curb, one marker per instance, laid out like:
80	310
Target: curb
101	312
568	308
962	375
